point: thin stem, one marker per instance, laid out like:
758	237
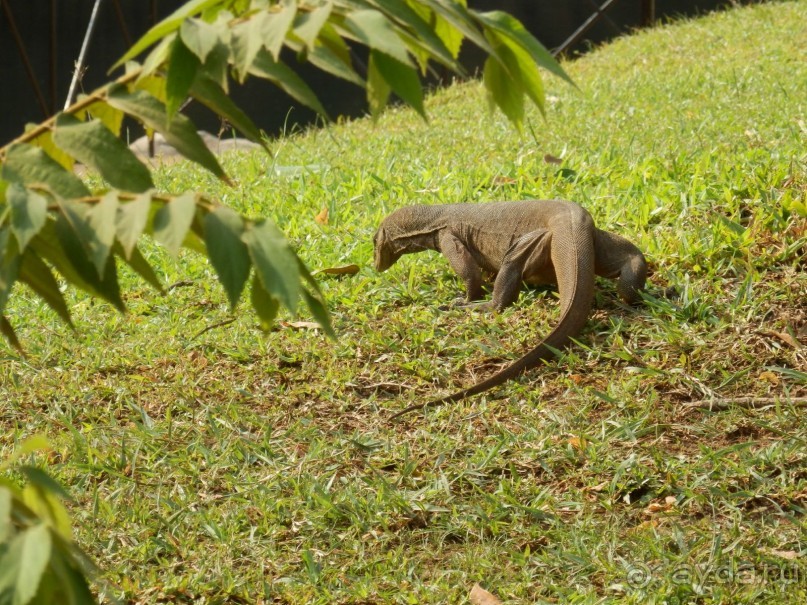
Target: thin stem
99	94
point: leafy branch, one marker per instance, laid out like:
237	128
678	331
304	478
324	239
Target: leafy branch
39	561
52	227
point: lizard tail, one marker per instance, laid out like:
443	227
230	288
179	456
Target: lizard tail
573	258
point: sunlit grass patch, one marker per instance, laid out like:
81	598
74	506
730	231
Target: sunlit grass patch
226	464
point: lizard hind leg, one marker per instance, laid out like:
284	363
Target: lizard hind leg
528	256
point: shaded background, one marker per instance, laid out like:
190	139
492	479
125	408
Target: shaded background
40	41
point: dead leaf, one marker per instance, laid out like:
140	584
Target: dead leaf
660	507
503	180
343	270
790	555
576	442
551	159
480	596
649	524
301	325
322	217
769	377
785	338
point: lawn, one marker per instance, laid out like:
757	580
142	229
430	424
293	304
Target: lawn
660	460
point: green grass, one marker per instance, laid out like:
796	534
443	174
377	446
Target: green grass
232	466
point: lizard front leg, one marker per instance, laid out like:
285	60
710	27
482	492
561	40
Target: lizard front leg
463	264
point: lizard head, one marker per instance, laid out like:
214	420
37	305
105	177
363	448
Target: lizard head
383	254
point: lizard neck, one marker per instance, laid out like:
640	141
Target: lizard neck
415	228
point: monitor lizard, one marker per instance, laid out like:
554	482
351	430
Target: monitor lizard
532	241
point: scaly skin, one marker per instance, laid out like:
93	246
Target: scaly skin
537	242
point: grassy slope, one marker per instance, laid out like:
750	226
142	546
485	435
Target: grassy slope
233	465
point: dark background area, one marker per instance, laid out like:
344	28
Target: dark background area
40	41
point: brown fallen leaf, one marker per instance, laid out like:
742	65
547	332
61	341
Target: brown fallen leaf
648	524
769	377
300	325
598	488
576	442
790	555
785	338
343	270
480	596
551	159
322	217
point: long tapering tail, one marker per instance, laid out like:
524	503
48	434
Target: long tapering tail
572	252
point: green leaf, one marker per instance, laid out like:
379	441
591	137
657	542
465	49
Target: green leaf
110	117
183	66
227	252
319	311
265	305
180	133
95	227
9	264
217	66
34	443
28	213
45	142
24	563
504	89
306	275
94	144
7	330
69	568
523	70
30	165
45	497
307	25
44	483
372	28
448	34
200	37
512	28
165	27
274	26
211	95
38	276
140	265
284	77
332	55
75	265
407	16
530	77
378	89
131	221
154	62
172	221
245	43
455	22
48	247
275	262
401	78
